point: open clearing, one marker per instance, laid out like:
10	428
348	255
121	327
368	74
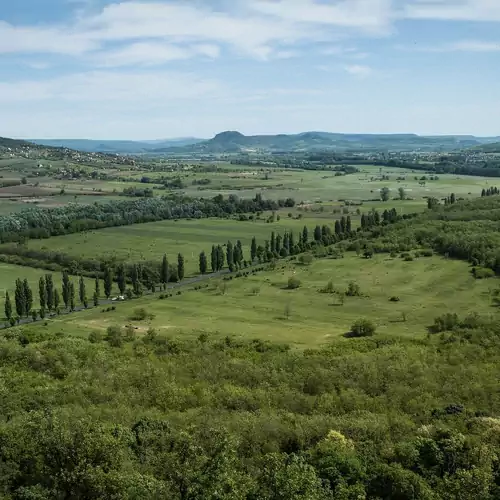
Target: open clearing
256	306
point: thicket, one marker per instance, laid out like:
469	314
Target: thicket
372	418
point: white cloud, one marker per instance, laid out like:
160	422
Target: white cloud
126	88
153	53
454	10
260	29
30	39
457	46
359	70
361	14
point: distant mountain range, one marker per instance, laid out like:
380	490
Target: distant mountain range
116	147
234	142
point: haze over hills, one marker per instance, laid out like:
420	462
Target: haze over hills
116	146
235	142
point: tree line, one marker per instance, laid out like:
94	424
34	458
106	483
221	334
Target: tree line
37	223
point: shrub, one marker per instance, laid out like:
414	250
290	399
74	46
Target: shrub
394	299
95	337
362	328
393	254
293	283
353	290
306	259
408	258
445	323
328	288
140	314
114	336
481	273
426	253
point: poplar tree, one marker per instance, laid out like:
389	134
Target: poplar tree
121	279
220	257
230	256
253	249
42	292
28	297
180	267
203	263
108	282
72	296
214	259
49	288
8	306
19	298
164	272
65	288
81	291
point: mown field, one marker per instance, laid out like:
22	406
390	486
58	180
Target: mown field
260	306
190	237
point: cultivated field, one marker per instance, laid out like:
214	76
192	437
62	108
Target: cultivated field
257	306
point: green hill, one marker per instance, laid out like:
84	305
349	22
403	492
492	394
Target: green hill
235	142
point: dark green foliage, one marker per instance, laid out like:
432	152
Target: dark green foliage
81	290
203	263
108	282
253	249
65	288
230	256
164	272
180	267
42	292
140	314
362	328
136	281
353	290
8	306
481	273
50	292
293	283
20	298
121	279
95	299
385	194
28	297
72	296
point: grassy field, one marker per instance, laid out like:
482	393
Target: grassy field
189	237
9	273
256	306
304	186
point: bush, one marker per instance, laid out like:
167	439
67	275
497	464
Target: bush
482	273
362	328
306	259
140	314
394	299
328	288
95	337
293	283
445	323
353	290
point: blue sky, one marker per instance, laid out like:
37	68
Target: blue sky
154	69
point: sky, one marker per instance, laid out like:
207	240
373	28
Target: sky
110	69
